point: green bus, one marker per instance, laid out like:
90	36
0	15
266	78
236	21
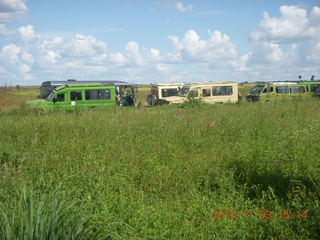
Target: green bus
76	96
272	91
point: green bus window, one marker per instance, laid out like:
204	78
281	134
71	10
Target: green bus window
282	89
297	89
206	92
314	87
101	94
59	98
75	95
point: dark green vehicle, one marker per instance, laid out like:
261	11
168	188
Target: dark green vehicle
77	96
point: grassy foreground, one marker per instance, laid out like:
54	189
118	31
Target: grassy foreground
159	173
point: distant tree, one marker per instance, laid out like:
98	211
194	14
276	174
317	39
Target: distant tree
18	87
300	77
312	77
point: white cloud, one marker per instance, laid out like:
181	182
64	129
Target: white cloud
293	25
27	33
191	48
310	52
11	10
15	61
267	53
191	57
134	54
83	46
12	5
183	9
155	54
78	56
118	58
174	5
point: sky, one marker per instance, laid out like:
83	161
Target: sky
162	41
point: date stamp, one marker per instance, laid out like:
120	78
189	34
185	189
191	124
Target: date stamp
261	214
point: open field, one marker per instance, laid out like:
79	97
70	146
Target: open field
161	172
12	98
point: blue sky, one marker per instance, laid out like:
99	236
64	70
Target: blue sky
158	41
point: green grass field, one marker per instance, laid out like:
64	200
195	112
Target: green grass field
161	172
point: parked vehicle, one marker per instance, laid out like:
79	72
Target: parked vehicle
312	86
72	96
164	94
211	92
282	90
48	86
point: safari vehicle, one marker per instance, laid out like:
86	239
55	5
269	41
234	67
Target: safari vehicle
164	94
72	96
282	90
48	86
211	92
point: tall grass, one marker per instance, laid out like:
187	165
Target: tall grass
10	100
159	173
32	216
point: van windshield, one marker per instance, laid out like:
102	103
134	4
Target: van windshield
256	89
183	91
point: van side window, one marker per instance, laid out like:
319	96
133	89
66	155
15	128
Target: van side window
282	89
75	95
206	92
59	98
193	93
314	87
169	92
222	91
101	94
297	89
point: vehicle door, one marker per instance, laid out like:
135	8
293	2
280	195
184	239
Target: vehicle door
267	93
76	98
60	100
205	95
